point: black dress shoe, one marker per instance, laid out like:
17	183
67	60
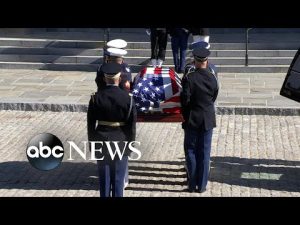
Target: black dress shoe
201	191
191	190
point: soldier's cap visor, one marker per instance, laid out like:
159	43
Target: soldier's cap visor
112	76
111	69
201	54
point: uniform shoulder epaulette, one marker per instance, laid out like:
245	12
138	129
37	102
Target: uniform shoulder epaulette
191	70
127	69
212	70
99	68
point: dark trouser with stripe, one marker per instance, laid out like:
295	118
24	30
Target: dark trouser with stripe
179	44
159	40
111	177
197	147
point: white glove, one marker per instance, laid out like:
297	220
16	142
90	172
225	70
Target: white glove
148	31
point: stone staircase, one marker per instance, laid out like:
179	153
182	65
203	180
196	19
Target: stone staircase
78	50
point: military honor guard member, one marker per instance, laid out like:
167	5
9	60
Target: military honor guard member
190	67
159	39
114	52
179	44
116	43
111	117
199	92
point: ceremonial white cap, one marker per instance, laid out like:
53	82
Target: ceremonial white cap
116	43
116	52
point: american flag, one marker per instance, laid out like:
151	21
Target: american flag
157	90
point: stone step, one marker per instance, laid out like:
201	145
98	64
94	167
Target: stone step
49	66
253	68
231	46
136	52
137	68
54	43
252	60
141	60
27	42
132	30
139	34
50	51
142	30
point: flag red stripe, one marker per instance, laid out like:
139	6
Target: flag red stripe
173	81
174	99
143	72
172	110
157	70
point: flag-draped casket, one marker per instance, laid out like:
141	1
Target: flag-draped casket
156	92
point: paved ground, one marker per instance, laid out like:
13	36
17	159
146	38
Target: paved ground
257	155
251	156
39	86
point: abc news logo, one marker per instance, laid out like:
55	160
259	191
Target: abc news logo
45	151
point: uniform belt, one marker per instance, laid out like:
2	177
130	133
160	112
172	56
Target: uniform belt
111	124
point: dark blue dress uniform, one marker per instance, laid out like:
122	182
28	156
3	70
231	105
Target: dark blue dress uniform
114	52
111	117
159	39
179	43
125	76
199	92
190	67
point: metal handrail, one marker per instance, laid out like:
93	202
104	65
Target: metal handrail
247	42
106	34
